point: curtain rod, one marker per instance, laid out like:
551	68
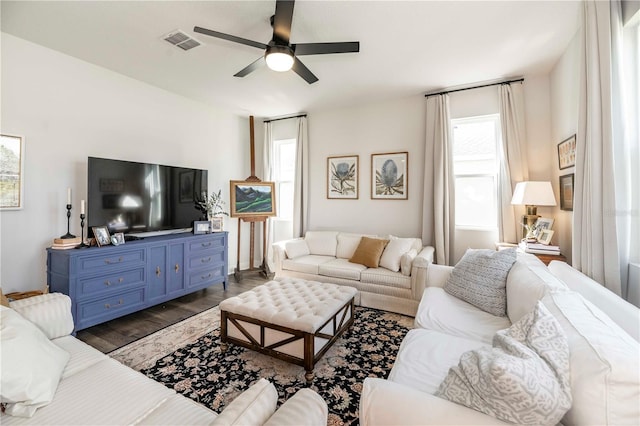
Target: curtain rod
519	80
284	118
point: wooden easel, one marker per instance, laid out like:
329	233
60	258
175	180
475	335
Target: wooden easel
263	269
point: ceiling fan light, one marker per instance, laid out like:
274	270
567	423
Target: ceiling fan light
279	58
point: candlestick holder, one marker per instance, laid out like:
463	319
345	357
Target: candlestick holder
68	234
82	244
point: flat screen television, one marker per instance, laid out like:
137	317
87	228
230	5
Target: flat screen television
140	198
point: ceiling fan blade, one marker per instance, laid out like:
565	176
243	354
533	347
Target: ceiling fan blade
230	37
303	71
282	20
251	67
324	48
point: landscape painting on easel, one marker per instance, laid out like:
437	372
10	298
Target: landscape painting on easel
252	198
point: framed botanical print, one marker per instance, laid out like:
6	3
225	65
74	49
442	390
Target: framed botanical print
342	177
389	176
567	153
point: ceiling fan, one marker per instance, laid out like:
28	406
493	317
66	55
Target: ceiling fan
280	54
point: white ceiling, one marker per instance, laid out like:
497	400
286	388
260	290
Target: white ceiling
406	48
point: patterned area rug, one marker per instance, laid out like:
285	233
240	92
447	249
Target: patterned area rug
186	357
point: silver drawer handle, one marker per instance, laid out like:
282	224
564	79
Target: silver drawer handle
109	262
108	283
206	244
204	277
207	260
108	306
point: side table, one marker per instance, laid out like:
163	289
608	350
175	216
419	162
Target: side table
546	258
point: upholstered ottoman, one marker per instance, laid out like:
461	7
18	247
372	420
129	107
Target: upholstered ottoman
290	319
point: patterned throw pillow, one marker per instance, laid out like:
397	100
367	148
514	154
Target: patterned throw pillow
524	379
480	278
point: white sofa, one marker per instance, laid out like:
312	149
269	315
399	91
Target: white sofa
604	350
324	256
95	389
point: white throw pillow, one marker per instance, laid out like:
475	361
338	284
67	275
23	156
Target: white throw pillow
31	365
347	245
522	379
406	261
390	258
296	248
322	243
252	407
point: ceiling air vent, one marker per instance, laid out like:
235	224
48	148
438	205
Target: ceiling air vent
179	39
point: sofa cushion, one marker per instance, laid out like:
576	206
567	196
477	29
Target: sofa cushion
31	365
82	356
347	244
296	248
480	279
605	373
393	252
306	407
406	262
252	407
179	410
440	311
369	251
341	268
50	312
385	277
523	379
425	357
306	264
322	243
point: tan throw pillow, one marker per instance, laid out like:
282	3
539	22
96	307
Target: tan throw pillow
3	300
369	251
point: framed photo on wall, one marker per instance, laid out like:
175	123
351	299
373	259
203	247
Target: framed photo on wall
389	173
567	153
252	198
11	178
566	192
342	177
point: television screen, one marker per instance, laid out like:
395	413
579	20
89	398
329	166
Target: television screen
135	197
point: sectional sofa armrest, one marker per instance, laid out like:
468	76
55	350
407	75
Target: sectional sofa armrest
437	275
50	312
419	268
279	254
384	402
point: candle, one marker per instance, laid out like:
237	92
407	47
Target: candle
81	206
68	195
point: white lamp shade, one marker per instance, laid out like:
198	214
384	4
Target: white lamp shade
533	194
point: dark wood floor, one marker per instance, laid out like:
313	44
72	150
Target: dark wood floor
111	335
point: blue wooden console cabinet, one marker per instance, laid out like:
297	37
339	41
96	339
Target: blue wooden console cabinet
111	281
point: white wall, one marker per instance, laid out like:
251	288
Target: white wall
68	110
564	122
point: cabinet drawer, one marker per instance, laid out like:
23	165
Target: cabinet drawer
209	276
96	311
207	244
122	258
206	259
110	283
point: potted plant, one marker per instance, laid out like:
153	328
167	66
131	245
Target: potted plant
212	206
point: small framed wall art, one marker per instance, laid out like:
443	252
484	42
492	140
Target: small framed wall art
566	192
567	153
389	176
342	177
12	179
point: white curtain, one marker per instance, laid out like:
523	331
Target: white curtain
301	180
625	42
595	249
438	213
268	163
513	160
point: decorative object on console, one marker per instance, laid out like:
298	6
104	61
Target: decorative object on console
101	234
68	234
201	227
342	177
389	176
117	239
211	205
217	224
544	236
566	192
567	153
82	218
66	243
11	180
532	194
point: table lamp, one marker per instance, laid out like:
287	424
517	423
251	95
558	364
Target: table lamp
533	194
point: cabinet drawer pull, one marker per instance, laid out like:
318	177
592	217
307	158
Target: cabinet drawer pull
206	244
120	279
207	260
204	277
109	261
158	271
108	305
107	283
177	268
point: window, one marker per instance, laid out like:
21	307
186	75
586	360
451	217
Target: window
475	169
285	167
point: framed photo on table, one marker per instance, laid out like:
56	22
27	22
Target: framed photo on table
389	176
201	227
101	235
544	237
342	177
